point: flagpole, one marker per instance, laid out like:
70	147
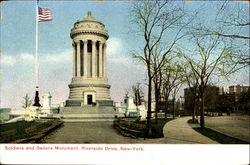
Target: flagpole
37	62
36	57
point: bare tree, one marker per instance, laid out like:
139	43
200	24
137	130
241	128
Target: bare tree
138	94
234	16
170	80
231	23
177	84
234	19
154	19
157	82
192	82
211	57
27	101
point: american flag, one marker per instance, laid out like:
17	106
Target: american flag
44	14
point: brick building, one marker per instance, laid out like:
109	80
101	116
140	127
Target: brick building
211	97
237	90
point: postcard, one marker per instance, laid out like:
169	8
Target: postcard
124	82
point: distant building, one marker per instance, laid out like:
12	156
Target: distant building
211	95
237	90
218	99
223	90
226	102
189	100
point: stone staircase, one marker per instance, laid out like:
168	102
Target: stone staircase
87	109
87	113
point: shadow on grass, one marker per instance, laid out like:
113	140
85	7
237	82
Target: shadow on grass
219	137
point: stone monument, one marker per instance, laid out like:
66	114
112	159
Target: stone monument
46	108
89	85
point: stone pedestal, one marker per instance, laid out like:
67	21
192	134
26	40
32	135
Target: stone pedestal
32	111
46	108
131	109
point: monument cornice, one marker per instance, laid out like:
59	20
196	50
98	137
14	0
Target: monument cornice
90	85
89	21
73	34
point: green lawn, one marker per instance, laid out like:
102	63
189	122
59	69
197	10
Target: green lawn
219	137
137	128
157	129
10	132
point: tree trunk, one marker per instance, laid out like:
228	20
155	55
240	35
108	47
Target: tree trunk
148	126
173	107
202	120
166	105
156	101
194	108
156	112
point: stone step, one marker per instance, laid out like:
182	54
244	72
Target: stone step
86	110
100	117
83	115
77	103
87	114
86	120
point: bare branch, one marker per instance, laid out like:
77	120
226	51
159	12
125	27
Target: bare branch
229	35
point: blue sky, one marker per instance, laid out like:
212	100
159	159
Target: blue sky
55	50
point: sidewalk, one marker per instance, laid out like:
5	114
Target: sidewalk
178	131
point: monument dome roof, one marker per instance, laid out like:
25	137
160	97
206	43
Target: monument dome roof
89	24
89	17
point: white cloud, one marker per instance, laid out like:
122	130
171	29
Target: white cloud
26	57
127	62
115	53
56	73
54	76
121	60
64	56
8	60
114	47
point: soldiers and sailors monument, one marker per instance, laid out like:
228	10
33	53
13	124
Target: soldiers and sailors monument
89	85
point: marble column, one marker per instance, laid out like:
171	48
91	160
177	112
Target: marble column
100	59
85	58
104	60
78	74
74	59
81	58
93	58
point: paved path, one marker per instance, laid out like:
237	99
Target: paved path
93	132
179	131
86	132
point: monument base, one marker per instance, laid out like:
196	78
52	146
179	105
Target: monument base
87	113
79	103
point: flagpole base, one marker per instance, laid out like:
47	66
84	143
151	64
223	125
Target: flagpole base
37	104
